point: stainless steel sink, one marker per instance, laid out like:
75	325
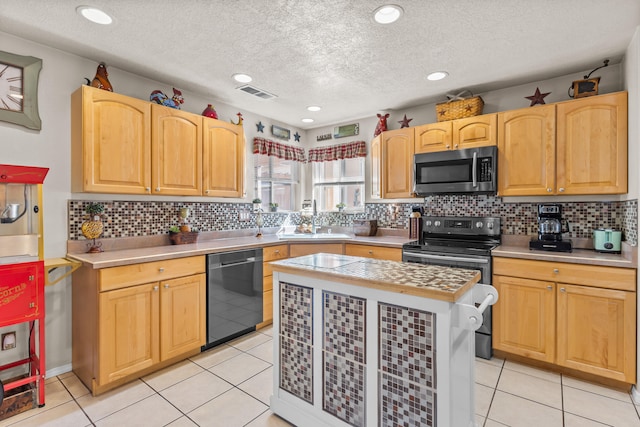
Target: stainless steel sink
319	236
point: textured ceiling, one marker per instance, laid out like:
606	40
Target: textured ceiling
330	52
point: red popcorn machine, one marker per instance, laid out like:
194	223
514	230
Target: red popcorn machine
22	275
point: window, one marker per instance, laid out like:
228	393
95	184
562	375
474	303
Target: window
276	181
339	181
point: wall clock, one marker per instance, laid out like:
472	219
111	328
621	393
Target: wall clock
19	89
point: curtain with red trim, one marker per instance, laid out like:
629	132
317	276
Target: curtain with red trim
349	150
282	151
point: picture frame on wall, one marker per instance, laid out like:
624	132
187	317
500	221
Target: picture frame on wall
280	132
346	130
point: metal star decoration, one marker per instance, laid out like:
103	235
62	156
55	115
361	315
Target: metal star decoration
404	123
260	126
537	97
296	136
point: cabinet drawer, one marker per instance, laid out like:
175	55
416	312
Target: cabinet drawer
267	306
128	275
267	283
300	249
561	272
272	253
378	252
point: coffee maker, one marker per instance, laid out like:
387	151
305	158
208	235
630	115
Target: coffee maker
550	229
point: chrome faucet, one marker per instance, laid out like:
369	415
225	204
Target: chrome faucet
313	217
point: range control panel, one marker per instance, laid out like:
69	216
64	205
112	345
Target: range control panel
476	226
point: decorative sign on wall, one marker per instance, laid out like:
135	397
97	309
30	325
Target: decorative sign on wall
279	132
324	137
346	130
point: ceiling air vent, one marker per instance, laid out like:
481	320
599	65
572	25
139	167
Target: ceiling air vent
252	90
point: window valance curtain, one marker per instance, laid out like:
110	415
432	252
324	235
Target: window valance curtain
282	151
349	150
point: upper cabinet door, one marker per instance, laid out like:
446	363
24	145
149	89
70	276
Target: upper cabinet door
111	142
592	145
477	131
433	137
397	163
176	154
526	151
223	162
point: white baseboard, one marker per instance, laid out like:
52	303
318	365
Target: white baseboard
54	372
635	394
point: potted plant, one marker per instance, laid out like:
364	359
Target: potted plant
273	207
341	206
257	204
179	237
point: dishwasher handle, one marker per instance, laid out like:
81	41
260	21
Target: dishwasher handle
249	260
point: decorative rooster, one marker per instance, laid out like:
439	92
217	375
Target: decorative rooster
159	97
382	124
101	80
239	119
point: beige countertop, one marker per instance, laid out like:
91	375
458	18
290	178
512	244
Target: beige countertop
518	247
429	281
135	255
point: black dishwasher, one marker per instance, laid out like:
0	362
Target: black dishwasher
234	294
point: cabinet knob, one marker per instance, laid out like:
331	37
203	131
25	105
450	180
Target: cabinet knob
563	290
277	251
561	189
556	271
147	189
155	288
370	252
550	287
166	286
456	146
448	146
161	270
549	190
206	191
158	189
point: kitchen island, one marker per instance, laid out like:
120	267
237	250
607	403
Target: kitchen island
363	342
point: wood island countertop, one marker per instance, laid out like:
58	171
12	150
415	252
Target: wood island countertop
428	281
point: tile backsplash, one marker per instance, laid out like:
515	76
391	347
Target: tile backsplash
133	218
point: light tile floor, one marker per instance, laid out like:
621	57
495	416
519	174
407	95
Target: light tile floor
230	386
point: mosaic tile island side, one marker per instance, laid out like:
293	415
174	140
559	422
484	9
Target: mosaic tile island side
428	281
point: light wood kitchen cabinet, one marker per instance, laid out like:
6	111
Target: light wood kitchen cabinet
110	142
470	132
370	251
526	151
592	145
223	159
176	152
597	331
392	164
134	319
573	147
524	321
270	253
581	317
300	249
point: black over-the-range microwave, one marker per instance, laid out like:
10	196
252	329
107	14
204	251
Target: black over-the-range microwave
468	171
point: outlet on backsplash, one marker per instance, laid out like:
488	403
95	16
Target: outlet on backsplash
244	215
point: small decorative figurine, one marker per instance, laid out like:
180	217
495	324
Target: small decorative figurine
239	119
101	80
159	97
210	112
382	124
260	127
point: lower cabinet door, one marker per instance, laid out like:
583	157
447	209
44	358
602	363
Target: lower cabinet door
596	331
128	331
182	315
524	317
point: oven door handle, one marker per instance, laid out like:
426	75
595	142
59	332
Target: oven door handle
447	258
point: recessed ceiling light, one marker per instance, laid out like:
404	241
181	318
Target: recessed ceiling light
387	14
314	108
437	75
307	120
242	78
94	15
